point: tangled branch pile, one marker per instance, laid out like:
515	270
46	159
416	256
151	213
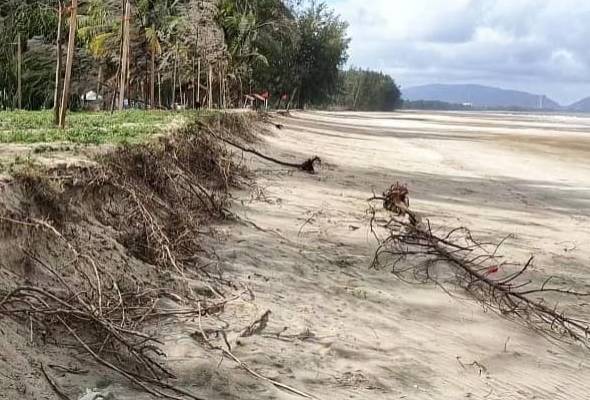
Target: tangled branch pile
104	316
414	250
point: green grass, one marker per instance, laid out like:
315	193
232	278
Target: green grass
86	127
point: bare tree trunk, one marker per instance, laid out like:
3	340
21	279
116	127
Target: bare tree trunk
241	90
99	86
124	55
153	81
220	88
194	104
114	100
181	95
210	87
174	78
159	90
58	67
99	81
199	80
19	72
128	87
173	85
145	87
65	98
181	99
358	92
225	105
292	97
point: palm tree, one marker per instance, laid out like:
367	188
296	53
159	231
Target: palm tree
155	49
241	29
100	31
65	99
58	40
258	34
23	20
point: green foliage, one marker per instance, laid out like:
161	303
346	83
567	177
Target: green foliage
252	31
283	48
99	27
323	49
434	105
363	90
38	75
157	26
29	18
291	47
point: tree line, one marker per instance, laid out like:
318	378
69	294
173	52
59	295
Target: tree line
178	53
366	90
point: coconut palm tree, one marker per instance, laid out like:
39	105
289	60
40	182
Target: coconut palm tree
65	99
100	31
261	36
20	21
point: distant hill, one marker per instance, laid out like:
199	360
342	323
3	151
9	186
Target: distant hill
433	105
480	96
581	106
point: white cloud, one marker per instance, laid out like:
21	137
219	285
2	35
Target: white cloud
535	45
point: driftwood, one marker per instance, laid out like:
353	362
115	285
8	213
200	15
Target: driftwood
308	165
414	251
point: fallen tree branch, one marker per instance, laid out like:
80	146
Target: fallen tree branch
475	266
308	166
74	371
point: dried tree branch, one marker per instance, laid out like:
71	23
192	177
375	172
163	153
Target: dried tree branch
243	365
476	267
307	166
54	385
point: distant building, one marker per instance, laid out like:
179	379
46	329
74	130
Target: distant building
91	100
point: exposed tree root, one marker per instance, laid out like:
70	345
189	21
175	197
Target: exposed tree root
148	205
155	201
415	251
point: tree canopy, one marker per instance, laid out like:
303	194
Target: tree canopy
364	90
182	53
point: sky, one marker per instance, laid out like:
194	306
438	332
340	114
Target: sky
540	46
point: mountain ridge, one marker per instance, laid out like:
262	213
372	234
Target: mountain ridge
580	105
481	96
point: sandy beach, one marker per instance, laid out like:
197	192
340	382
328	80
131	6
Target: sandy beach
350	332
338	329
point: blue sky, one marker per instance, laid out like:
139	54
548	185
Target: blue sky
541	46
